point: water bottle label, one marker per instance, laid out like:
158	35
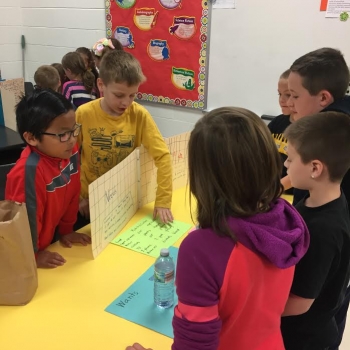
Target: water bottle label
162	277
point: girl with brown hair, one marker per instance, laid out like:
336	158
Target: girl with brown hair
234	273
89	61
80	88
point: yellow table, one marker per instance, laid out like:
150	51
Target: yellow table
67	311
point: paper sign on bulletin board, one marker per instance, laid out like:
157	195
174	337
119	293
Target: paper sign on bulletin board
170	39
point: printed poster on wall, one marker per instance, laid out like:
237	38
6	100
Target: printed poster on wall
170	39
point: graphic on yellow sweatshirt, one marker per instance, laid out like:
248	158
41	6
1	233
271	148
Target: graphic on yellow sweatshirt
108	149
106	140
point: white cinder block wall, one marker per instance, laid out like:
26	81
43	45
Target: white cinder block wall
54	27
10	38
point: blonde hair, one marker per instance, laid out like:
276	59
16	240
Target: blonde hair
285	74
121	67
47	77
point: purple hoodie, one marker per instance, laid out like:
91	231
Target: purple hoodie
232	294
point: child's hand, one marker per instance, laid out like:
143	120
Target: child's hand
74	237
84	209
164	214
137	346
46	259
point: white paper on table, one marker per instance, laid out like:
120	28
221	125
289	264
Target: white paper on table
336	7
224	4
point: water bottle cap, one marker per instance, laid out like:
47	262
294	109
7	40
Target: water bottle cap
164	252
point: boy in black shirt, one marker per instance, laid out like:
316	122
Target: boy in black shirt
279	124
318	82
318	158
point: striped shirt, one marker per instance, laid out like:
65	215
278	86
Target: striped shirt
75	92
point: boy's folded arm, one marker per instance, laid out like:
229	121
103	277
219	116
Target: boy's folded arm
297	305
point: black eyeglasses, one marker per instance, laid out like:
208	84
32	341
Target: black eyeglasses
65	136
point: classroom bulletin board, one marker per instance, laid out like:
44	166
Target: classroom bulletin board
170	38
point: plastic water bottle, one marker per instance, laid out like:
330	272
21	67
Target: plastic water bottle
164	274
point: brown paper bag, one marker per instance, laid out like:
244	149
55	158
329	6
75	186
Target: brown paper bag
18	272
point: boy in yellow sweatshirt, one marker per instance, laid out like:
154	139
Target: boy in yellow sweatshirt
113	126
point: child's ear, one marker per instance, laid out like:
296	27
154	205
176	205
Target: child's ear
100	84
30	139
317	169
326	98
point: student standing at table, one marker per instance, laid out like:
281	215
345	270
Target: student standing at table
234	273
113	126
318	158
318	82
46	177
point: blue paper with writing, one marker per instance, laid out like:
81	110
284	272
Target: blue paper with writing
136	304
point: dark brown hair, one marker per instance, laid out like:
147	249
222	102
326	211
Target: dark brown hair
90	60
121	67
326	137
323	69
234	167
117	46
74	62
285	74
61	73
47	77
